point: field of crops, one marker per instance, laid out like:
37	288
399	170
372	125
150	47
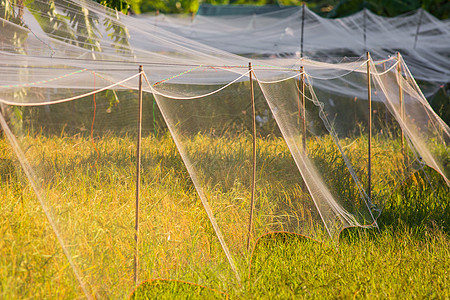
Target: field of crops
408	257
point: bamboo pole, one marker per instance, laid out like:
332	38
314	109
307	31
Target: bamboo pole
303	27
364	25
299	108
402	106
252	95
369	98
138	180
302	77
400	96
418	28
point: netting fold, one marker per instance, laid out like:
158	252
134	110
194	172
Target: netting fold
428	134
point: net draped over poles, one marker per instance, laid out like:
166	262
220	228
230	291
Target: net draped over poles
422	39
69	102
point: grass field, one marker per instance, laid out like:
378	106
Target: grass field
92	204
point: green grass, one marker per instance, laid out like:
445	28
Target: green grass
93	206
392	264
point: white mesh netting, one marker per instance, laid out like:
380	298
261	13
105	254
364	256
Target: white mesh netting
69	100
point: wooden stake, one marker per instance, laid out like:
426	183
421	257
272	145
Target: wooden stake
369	98
302	77
138	180
250	223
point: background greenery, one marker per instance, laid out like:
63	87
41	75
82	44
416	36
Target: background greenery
326	8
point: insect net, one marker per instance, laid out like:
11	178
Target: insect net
427	135
79	155
70	111
79	152
341	91
422	39
334	188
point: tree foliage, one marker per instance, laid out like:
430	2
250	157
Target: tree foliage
327	8
391	8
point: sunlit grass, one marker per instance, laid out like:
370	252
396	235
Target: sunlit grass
93	205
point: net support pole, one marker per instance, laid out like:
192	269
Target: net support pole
369	160
402	107
299	105
303	30
364	26
252	200
138	180
302	90
418	28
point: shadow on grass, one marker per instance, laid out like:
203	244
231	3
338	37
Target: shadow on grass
170	289
7	170
419	205
420	202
